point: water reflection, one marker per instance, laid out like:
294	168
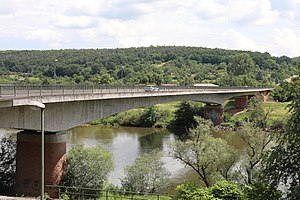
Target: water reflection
125	143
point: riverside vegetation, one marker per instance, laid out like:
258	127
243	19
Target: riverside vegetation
269	159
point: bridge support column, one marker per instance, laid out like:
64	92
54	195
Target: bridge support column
265	95
214	112
28	171
240	102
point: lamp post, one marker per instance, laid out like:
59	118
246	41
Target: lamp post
54	71
43	152
40	106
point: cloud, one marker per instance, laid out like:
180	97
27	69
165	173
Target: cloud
232	24
45	36
238	11
75	22
286	42
235	40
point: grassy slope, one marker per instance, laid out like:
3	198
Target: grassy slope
279	112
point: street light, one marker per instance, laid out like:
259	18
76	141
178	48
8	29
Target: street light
54	71
38	105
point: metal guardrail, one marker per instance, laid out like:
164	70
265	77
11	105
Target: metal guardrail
43	90
90	193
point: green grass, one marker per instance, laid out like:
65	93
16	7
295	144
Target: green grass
278	111
127	118
112	196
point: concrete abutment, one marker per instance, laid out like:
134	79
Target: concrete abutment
28	171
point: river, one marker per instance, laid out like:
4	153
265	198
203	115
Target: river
126	143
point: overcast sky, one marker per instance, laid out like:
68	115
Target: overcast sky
257	25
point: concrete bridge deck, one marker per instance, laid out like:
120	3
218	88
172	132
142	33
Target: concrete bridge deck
24	95
69	106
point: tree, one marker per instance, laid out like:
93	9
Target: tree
256	146
241	64
206	155
256	113
8	149
87	167
284	161
149	116
146	174
184	115
262	191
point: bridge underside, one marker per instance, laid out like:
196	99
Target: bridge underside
65	115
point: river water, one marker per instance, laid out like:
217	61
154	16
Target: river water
126	143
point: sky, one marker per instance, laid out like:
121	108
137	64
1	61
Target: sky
258	25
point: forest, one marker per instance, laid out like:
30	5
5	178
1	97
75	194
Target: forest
178	65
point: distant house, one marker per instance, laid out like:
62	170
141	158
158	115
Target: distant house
205	85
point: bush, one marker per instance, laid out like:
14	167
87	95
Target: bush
146	174
190	191
87	167
227	191
8	150
262	191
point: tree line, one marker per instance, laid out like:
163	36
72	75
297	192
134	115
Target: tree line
156	65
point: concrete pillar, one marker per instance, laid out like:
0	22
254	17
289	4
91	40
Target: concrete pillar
265	95
215	113
240	102
28	172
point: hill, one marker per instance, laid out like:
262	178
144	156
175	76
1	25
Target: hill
157	65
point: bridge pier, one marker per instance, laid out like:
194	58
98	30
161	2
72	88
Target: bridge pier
265	95
240	102
214	112
28	169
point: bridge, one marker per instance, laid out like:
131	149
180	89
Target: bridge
64	107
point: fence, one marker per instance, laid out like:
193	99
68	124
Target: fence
98	194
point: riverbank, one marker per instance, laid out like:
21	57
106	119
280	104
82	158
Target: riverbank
165	115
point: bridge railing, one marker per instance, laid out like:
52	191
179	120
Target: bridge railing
41	90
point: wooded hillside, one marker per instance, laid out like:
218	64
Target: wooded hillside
144	65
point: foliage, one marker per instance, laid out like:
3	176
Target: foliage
285	91
241	64
284	161
146	174
163	64
226	190
206	155
190	191
184	115
256	146
262	191
87	167
149	116
256	112
8	148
